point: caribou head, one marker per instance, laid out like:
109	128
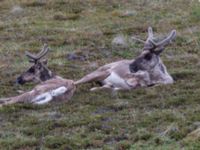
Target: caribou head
149	60
38	72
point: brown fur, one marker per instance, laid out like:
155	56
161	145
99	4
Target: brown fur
42	88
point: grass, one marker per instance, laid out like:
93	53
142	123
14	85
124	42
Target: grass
159	117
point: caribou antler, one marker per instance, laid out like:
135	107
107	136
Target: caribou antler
165	41
150	44
137	39
150	34
35	58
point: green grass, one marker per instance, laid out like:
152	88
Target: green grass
159	117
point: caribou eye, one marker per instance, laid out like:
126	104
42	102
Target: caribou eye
31	70
148	56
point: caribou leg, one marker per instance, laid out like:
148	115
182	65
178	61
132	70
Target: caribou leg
48	96
140	78
94	76
106	86
43	98
59	91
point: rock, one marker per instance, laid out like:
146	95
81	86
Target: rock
197	123
17	10
124	13
120	40
128	13
74	56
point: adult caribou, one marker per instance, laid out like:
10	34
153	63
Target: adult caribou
146	70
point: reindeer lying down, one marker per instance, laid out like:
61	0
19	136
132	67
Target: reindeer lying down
58	88
146	70
51	87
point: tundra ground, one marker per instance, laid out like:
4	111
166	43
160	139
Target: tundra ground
159	117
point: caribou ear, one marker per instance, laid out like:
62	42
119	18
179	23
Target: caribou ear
45	61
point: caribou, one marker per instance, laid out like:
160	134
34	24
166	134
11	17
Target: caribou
147	69
51	86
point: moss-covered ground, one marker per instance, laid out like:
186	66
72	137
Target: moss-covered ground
153	118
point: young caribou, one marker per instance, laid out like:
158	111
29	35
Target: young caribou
38	72
54	88
146	70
